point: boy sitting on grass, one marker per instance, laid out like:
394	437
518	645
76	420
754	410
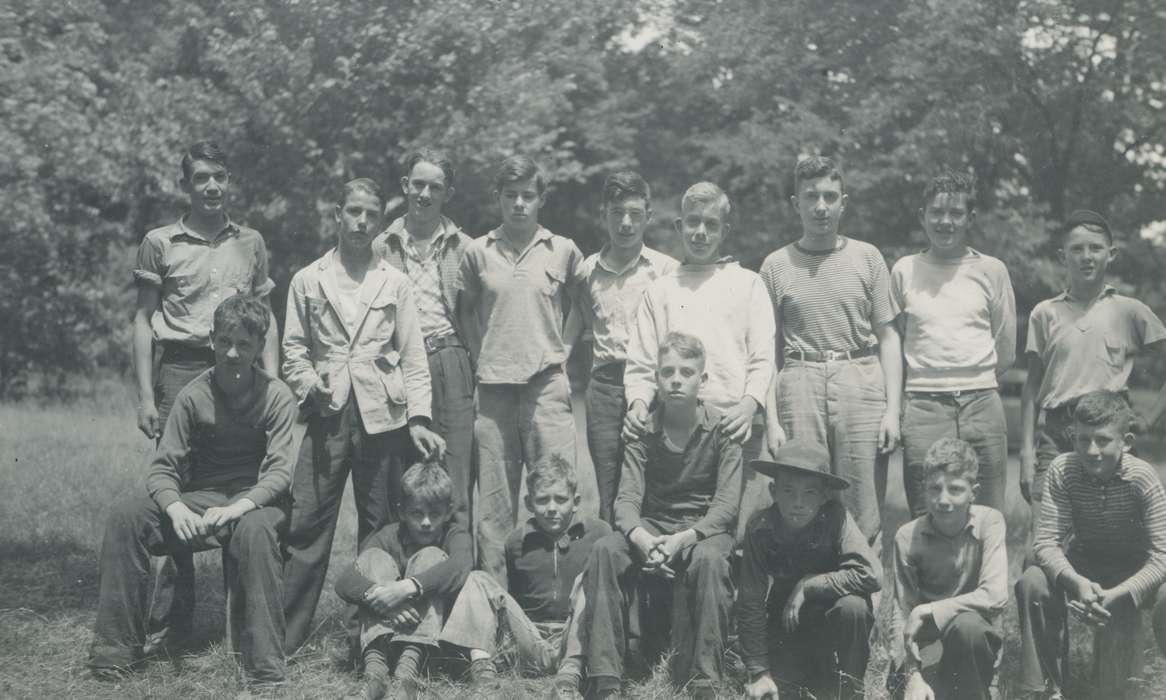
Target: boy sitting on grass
219	478
544	558
1114	506
813	629
675	512
403	578
951	581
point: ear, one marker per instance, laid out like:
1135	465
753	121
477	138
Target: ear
337	211
704	377
975	492
1061	257
405	185
542	199
842	202
577	500
529	502
1127	442
678	224
773	489
449	192
1112	253
922	217
793	202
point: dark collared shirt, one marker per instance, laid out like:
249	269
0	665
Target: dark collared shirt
672	491
541	571
443	580
830	550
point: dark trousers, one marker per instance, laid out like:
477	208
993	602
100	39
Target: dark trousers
452	381
172	601
252	569
702	599
828	651
334	446
1041	606
606	406
968	664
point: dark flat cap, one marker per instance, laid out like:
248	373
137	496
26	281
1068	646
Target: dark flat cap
1086	216
802	457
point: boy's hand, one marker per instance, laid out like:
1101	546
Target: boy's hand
737	423
917	688
774	437
188	525
386	598
1027	473
404	619
793	606
219	516
919	616
427	442
635	421
762	688
321	392
889	432
148	421
677	541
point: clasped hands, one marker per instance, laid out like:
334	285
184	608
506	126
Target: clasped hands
658	551
394	602
191	527
1088	601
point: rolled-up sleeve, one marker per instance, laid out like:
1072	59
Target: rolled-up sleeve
149	268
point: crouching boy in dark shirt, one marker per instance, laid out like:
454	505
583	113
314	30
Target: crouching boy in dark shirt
812	629
404	577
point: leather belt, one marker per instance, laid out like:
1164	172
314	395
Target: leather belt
830	355
435	343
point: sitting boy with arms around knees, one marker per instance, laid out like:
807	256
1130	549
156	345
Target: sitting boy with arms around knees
404	578
676	512
813	628
544	558
951	581
219	478
1115	563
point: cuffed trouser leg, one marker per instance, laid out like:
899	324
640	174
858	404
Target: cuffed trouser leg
606	406
968	664
378	566
253	569
702	603
603	632
1041	607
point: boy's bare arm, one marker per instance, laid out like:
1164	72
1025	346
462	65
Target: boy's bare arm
149	298
270	356
1028	420
891	359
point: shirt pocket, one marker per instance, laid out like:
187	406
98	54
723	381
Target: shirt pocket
392	377
382	317
554	281
1113	352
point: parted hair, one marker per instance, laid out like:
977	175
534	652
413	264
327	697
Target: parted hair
623	184
703	193
814	167
1104	407
552	470
953	457
684	345
426	483
425	154
202	150
244	311
361	184
517	169
951	182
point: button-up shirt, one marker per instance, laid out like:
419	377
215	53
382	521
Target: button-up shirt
1118	525
542	570
609	299
961	573
194	274
434	275
830	553
440	581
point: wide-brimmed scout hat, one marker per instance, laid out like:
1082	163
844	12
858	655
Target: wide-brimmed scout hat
802	457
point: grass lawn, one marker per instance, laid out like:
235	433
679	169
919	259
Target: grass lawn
62	468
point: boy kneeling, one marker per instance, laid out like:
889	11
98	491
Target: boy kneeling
1114	564
675	512
403	578
544	558
219	478
951	580
814	628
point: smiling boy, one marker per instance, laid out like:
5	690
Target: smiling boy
1114	564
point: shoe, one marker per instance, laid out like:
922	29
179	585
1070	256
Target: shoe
702	689
483	674
110	674
560	691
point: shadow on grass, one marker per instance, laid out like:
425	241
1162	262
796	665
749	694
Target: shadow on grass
49	577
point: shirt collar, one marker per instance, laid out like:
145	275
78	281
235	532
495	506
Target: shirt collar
704	421
542	235
641	258
184	230
975	524
574	531
1108	290
1119	474
397	231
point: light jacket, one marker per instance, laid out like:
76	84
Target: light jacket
381	360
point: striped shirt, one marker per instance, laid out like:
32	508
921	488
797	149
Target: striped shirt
1118	526
830	299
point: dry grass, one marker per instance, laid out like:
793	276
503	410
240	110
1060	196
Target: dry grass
61	469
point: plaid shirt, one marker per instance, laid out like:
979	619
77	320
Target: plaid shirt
448	247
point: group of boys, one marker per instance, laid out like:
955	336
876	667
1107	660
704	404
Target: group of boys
424	361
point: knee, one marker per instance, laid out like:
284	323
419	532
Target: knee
850	610
254	535
607	548
709	558
967	633
377	565
128	516
1032	587
480	580
425	558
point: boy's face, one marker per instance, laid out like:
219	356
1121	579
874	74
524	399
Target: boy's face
820	204
235	352
1086	255
425	521
946	220
207	188
702	229
360	220
1100	448
799	497
949	498
553	504
427	191
627	219
679	379
520	202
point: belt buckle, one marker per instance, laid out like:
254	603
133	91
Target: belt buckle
430	345
832	356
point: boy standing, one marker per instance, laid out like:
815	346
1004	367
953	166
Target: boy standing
1082	340
812	626
840	379
951	581
516	285
1115	563
428	247
614	282
544	558
219	478
957	314
354	358
183	271
675	516
404	578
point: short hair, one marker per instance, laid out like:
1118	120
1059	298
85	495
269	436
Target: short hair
517	169
1088	220
706	193
202	150
624	184
684	345
361	184
425	154
953	457
1104	407
244	311
814	167
953	183
553	470
426	482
